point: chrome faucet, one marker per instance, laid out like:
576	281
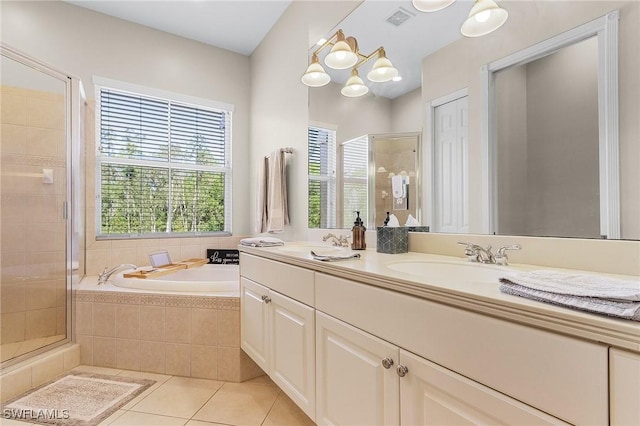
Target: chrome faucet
104	276
476	253
341	241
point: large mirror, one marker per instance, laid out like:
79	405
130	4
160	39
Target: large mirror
450	69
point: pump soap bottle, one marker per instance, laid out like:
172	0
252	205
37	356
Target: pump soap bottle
358	230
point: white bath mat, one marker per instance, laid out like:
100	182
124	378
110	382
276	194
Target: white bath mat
75	399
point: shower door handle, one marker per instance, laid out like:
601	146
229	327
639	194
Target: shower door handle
65	210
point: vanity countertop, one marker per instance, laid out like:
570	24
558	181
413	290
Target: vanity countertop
479	295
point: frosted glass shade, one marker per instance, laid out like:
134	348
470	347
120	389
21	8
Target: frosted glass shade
341	56
431	5
485	16
315	75
355	86
382	71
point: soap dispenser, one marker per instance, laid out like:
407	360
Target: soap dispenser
358	230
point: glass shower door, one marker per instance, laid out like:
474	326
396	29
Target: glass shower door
34	190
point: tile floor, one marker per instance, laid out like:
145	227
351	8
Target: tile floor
183	401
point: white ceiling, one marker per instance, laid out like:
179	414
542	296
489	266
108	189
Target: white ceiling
236	25
240	25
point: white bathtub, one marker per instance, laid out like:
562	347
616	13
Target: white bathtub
206	278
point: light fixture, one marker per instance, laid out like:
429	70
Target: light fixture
382	69
485	16
431	5
345	54
355	86
342	55
315	75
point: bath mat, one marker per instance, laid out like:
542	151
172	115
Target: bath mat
75	399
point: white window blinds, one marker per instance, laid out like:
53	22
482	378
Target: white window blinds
355	169
162	166
322	177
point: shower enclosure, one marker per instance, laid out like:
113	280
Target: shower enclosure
41	194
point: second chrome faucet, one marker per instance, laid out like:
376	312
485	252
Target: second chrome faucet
476	253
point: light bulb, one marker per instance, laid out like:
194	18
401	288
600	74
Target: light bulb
483	16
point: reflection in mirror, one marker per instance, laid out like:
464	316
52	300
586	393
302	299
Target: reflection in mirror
547	145
395	177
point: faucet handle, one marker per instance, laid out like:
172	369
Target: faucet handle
501	255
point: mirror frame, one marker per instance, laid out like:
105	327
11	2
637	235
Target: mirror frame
605	29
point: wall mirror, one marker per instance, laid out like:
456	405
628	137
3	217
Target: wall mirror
454	66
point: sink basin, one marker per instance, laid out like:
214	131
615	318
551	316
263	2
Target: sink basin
438	271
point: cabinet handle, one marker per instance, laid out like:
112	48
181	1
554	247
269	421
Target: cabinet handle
266	299
387	363
402	370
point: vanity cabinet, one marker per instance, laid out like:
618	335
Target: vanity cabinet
278	332
624	387
364	380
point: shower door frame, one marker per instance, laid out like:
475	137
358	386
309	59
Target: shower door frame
72	107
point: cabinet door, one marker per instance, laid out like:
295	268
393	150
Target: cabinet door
624	374
433	395
352	386
292	354
254	322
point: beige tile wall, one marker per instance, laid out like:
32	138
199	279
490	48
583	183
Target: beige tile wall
190	336
32	233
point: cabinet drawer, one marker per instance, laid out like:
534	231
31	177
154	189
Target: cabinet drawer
562	376
625	387
291	281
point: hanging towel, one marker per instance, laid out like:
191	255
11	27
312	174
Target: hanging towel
261	196
277	210
577	284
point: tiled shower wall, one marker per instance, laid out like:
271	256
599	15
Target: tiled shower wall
33	244
110	253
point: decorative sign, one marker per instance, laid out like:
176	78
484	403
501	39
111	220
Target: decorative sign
223	257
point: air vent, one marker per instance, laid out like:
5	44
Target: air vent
399	17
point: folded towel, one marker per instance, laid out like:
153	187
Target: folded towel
261	242
577	285
626	310
335	257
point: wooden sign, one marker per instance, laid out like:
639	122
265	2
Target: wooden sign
223	257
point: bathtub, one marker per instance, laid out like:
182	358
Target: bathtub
206	278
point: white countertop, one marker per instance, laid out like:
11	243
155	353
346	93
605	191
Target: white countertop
475	295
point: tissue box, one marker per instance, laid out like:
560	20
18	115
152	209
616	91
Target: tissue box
392	240
418	228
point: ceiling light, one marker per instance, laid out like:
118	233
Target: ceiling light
485	16
382	69
315	75
355	86
431	5
342	55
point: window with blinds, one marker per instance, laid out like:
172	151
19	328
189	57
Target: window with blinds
355	170
322	177
163	166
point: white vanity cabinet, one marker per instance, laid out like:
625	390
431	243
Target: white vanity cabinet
278	332
624	376
364	380
352	385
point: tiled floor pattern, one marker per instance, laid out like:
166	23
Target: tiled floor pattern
12	350
183	401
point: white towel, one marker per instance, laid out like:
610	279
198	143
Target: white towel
397	186
261	197
261	242
277	210
626	310
577	284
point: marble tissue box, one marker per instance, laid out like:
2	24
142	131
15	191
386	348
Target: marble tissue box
392	240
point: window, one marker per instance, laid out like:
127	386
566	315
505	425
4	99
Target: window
322	177
355	172
163	165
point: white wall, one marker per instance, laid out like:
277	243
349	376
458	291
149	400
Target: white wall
407	112
279	100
